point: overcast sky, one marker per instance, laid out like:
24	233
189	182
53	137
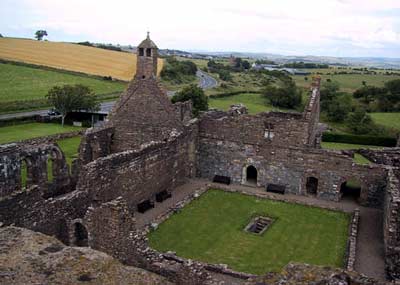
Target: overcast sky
289	27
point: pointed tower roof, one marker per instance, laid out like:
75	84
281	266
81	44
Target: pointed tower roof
147	43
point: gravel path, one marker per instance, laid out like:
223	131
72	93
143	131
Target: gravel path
369	256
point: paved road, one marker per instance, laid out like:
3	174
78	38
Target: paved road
205	82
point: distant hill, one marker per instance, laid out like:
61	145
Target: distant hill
69	56
378	62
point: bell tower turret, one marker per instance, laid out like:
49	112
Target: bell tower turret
147	55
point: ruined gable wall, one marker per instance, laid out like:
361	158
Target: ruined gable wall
290	167
29	209
391	225
287	129
139	175
95	143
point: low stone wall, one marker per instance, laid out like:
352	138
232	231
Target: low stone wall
352	241
387	156
391	225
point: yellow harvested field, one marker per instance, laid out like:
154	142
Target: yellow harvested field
73	57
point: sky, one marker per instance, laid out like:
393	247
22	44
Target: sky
345	28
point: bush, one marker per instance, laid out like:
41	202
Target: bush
177	70
196	95
339	108
358	139
288	96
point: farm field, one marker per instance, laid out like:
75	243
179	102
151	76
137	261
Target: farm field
211	229
19	83
390	120
348	82
19	132
69	56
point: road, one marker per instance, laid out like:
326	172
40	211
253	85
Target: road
205	82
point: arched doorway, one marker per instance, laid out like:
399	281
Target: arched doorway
350	189
251	175
80	235
312	185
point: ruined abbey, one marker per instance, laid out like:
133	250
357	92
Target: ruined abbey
149	148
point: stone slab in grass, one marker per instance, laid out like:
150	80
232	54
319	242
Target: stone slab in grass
210	229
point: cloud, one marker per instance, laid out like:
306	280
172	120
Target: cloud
285	26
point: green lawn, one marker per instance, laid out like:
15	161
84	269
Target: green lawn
255	103
390	120
70	148
32	130
19	83
211	229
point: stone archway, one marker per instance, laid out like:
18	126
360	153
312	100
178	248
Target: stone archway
80	235
251	175
312	185
350	189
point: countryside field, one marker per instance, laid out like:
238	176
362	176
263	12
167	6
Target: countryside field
73	57
26	83
211	229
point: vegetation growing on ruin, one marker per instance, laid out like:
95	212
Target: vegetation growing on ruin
211	229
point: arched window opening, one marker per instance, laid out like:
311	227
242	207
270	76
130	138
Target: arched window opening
312	185
81	235
141	51
251	175
24	173
350	189
50	169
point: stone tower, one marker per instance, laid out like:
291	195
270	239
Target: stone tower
147	55
143	113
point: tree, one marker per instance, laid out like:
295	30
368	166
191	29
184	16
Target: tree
369	93
359	122
246	64
196	95
288	96
1	35
68	98
40	34
339	108
329	91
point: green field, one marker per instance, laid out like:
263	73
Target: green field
70	147
18	83
32	130
348	82
255	103
390	120
211	229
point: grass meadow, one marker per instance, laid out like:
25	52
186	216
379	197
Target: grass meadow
69	56
211	229
19	132
18	83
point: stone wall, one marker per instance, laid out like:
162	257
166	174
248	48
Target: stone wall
95	143
391	225
29	209
33	157
184	110
289	166
387	156
137	175
311	113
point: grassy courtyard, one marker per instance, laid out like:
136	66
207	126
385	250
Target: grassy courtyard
211	229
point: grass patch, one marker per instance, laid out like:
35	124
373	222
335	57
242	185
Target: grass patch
32	130
211	229
70	148
389	120
358	158
255	103
20	83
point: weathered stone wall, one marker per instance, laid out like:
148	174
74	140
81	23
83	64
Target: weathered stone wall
138	175
387	156
311	113
391	225
36	158
29	209
184	110
95	143
109	227
289	167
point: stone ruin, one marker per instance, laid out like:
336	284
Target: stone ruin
149	146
